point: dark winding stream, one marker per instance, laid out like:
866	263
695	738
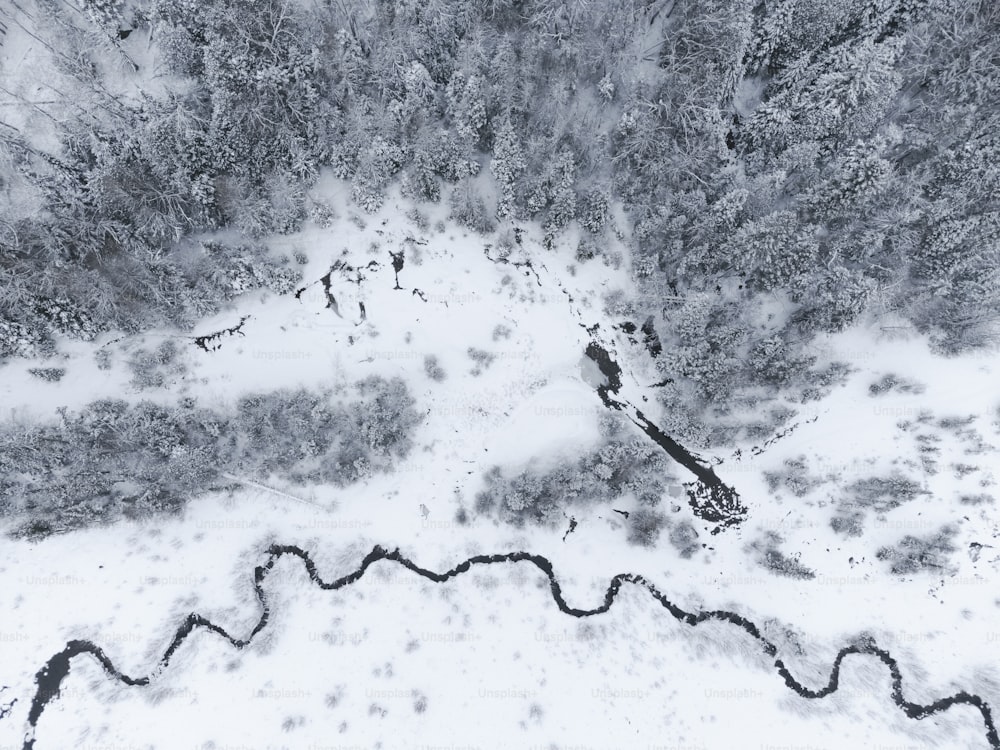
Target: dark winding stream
50	677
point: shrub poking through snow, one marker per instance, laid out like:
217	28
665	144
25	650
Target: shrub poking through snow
482	359
917	554
644	526
244	268
48	374
419	218
851	523
433	369
19	340
153	369
878	494
66	318
794	476
622	466
883	494
770	556
102	358
321	214
684	538
376	167
469	209
980	498
891	383
501	331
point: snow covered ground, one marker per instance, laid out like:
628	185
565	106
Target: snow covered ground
487	660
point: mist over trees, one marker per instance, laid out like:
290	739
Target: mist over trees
839	156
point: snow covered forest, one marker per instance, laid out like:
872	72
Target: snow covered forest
689	291
840	154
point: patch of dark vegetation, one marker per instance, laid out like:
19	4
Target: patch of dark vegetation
956	423
433	369
155	368
892	383
684	538
248	267
747	419
132	291
469	209
921	554
64	317
963	470
772	362
651	338
644	526
928	451
979	498
765	428
20	340
872	494
501	331
48	374
820	382
305	437
587	248
332	700
848	523
113	460
482	359
793	476
622	465
974	443
882	494
102	358
770	557
419	219
779	416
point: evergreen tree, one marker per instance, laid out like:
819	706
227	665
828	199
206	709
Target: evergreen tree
507	165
